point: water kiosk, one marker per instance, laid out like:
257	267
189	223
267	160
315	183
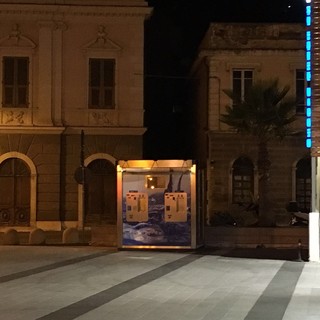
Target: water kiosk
157	204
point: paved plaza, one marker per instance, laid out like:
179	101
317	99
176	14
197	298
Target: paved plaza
60	282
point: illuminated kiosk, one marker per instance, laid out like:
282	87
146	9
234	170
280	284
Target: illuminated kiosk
156	204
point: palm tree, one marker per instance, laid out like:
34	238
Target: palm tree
265	113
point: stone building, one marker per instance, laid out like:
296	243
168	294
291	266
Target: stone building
67	67
233	56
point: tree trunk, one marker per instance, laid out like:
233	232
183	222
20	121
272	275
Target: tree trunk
264	164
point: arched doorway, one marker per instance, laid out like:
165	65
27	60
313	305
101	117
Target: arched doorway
15	193
101	194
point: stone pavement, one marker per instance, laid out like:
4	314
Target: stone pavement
65	282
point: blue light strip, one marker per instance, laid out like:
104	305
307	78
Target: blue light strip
308	75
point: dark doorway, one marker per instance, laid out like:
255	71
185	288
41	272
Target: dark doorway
101	194
303	184
14	193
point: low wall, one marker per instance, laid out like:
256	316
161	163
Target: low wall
286	237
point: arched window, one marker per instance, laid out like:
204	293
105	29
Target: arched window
303	184
101	200
15	192
242	180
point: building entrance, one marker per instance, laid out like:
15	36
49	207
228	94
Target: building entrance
15	193
101	192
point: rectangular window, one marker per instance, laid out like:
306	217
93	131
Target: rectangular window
300	91
101	84
15	82
241	82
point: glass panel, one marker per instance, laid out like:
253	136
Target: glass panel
101	83
94	65
6	191
300	91
22	97
22	191
237	88
8	75
8	96
248	74
94	97
236	74
247	86
300	74
108	73
22	71
21	169
15	82
6	168
108	98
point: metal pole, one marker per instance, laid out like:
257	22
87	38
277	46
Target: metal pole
83	183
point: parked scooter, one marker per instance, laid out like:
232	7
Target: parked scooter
298	218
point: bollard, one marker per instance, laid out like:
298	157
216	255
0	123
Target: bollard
299	251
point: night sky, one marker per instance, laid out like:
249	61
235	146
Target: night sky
172	36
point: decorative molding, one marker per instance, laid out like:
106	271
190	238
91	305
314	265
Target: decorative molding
102	42
100	155
30	130
110	131
46	24
243	65
100	11
101	118
297	65
60	25
13	117
16	39
254	36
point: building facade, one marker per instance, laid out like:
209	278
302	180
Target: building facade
68	67
233	56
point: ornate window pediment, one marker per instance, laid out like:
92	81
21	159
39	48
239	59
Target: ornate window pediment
16	40
102	42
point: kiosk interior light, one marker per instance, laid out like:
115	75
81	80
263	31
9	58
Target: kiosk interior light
154	182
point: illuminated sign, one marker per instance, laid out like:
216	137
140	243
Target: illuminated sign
308	74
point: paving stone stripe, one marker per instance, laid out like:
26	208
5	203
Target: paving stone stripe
280	289
56	265
90	303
